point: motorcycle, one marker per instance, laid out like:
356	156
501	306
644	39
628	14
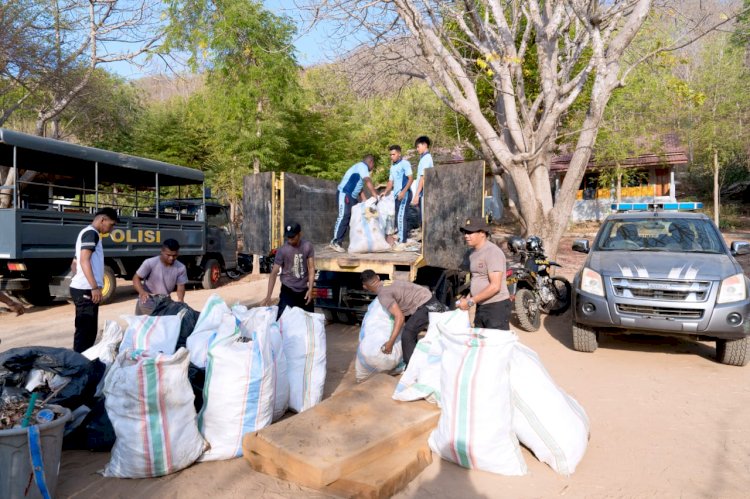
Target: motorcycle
533	291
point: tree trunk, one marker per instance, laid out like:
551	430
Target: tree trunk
619	185
716	187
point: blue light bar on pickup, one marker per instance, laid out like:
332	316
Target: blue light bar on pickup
691	206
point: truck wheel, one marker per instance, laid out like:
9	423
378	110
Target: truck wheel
110	285
733	352
211	274
527	310
584	338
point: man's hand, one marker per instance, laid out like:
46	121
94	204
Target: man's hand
415	201
96	295
17	308
401	196
387	348
266	302
309	296
143	296
463	304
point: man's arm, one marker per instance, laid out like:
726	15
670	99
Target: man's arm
15	307
88	272
310	295
388	187
370	187
180	292
271	283
420	186
489	291
398	323
138	285
406	188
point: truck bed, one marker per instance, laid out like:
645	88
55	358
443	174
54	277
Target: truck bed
390	263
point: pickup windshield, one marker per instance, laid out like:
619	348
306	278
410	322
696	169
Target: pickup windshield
662	234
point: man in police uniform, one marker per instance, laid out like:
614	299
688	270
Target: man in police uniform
488	290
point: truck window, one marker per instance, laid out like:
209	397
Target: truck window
217	217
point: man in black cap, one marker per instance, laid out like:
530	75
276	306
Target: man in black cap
488	290
88	279
296	262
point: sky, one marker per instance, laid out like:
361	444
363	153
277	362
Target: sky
313	45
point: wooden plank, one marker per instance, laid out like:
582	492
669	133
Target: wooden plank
385	477
452	193
341	435
257	195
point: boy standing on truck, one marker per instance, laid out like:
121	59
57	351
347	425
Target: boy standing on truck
296	261
488	290
350	189
410	305
86	285
158	276
425	161
399	182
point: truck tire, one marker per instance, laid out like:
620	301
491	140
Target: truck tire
109	286
733	352
527	310
211	274
584	338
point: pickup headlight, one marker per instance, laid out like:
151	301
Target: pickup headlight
732	289
591	282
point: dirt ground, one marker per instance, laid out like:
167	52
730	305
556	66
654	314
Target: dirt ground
666	419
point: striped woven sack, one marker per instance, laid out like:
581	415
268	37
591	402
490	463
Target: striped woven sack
546	419
215	322
150	403
421	380
304	339
375	331
366	234
151	333
475	428
237	394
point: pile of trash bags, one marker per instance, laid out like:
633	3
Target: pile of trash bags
178	386
493	392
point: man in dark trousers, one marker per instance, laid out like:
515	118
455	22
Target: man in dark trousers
158	276
86	285
488	289
350	192
409	304
296	262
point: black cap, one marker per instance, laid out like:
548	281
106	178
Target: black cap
475	224
292	229
109	213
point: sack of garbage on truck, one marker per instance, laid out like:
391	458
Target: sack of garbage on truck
377	325
150	403
387	214
475	427
365	233
304	339
421	380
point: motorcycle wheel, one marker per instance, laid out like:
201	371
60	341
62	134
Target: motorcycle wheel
560	287
527	310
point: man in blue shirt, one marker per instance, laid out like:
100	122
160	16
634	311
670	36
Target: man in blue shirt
425	161
350	190
399	182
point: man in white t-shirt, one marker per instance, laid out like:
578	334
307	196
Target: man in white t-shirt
86	285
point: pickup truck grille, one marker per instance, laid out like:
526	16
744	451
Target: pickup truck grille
647	311
667	290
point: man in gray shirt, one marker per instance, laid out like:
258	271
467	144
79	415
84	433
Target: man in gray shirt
158	276
410	305
489	291
295	260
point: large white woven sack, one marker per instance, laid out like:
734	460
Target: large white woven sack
304	339
421	380
150	403
107	348
546	419
375	331
237	395
365	233
475	428
262	322
151	333
387	214
214	323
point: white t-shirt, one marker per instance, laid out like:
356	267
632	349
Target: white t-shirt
89	239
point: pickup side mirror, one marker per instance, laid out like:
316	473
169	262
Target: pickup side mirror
581	245
740	248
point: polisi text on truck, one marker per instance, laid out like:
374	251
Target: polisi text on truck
135	236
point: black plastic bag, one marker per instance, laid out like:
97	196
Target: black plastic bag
165	306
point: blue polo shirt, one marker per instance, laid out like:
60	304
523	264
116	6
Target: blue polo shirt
400	173
353	180
425	162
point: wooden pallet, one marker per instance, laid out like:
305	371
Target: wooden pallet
357	430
